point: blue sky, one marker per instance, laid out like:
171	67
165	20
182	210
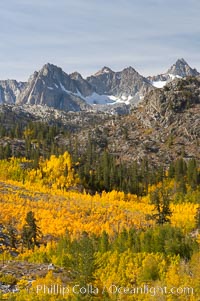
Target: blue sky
85	35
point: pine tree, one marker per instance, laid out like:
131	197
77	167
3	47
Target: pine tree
161	201
106	170
104	242
180	170
122	241
12	234
83	259
171	170
30	232
7	151
197	218
192	173
145	174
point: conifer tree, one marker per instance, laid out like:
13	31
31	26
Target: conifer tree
180	169
192	173
104	242
197	218
12	234
83	258
161	201
30	231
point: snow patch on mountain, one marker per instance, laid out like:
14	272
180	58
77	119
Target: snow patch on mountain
96	99
159	84
172	76
99	99
63	88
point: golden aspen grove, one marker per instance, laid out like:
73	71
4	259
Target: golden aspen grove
103	246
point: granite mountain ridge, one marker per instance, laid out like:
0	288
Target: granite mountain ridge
106	90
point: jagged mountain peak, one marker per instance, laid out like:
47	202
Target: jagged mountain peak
127	85
76	76
181	61
182	68
50	66
50	69
52	87
103	71
129	69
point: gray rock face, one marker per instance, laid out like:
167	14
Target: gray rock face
9	90
54	88
162	105
127	82
179	69
182	69
81	84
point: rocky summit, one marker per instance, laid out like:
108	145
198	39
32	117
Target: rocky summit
127	85
180	69
54	88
